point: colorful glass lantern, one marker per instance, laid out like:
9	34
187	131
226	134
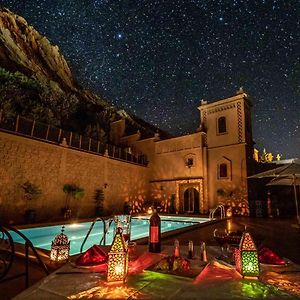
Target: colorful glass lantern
117	266
60	248
246	257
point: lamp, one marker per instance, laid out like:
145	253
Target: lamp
117	266
60	247
246	257
229	212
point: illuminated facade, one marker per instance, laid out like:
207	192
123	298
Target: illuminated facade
205	168
186	174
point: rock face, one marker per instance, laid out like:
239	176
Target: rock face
24	49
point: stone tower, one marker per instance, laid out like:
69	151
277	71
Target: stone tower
229	147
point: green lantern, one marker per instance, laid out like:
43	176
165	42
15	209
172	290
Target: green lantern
246	257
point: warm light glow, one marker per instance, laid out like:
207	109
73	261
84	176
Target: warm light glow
150	211
246	257
75	225
119	269
229	225
229	213
107	292
117	266
60	248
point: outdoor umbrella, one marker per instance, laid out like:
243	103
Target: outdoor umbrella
288	174
292	180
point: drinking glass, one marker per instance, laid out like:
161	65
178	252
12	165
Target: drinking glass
132	252
221	237
123	222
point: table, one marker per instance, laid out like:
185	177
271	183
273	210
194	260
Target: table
215	281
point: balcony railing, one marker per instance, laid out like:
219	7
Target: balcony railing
51	134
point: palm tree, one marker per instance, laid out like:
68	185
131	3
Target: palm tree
71	191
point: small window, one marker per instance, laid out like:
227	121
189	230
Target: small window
223	172
222	125
190	162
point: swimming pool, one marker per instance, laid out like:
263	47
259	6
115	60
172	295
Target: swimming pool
41	237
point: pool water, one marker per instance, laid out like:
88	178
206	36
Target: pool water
41	237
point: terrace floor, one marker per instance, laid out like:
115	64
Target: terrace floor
278	234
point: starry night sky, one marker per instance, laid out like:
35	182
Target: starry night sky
159	58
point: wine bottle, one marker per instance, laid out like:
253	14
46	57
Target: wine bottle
154	233
191	250
203	252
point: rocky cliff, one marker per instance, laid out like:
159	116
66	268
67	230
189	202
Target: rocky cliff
24	49
49	83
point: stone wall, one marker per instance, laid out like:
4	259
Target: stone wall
51	166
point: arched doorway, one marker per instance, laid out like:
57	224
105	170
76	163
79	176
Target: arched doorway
191	200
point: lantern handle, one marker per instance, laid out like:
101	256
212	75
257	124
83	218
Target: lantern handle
119	230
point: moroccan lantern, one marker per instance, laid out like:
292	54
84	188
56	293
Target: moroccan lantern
117	266
60	247
246	257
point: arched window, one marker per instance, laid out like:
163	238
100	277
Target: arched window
223	172
222	125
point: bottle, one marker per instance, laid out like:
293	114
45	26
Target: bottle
154	233
203	252
176	249
191	250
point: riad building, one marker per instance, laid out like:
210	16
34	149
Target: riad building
196	172
187	174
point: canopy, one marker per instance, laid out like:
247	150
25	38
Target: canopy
285	170
288	174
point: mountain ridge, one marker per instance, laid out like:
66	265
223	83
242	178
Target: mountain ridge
23	49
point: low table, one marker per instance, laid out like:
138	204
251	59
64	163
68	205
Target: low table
217	280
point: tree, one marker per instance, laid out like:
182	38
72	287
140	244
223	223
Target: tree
72	191
99	200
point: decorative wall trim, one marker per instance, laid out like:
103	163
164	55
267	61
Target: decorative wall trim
240	122
181	185
221	108
204	122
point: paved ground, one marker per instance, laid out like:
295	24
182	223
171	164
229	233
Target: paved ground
280	235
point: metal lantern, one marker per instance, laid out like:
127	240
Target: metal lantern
60	248
246	257
117	266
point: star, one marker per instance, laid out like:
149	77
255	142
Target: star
158	58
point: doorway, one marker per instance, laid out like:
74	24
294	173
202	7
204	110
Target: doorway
191	200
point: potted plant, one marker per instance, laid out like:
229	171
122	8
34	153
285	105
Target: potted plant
31	192
99	199
72	191
172	208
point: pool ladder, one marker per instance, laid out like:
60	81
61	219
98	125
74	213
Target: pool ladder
222	209
105	230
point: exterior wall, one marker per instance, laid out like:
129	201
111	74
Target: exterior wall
117	130
233	110
51	166
231	192
171	156
167	176
169	173
232	148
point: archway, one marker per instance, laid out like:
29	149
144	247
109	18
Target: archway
191	200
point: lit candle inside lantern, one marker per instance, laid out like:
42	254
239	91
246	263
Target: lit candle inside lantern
60	248
117	266
246	257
